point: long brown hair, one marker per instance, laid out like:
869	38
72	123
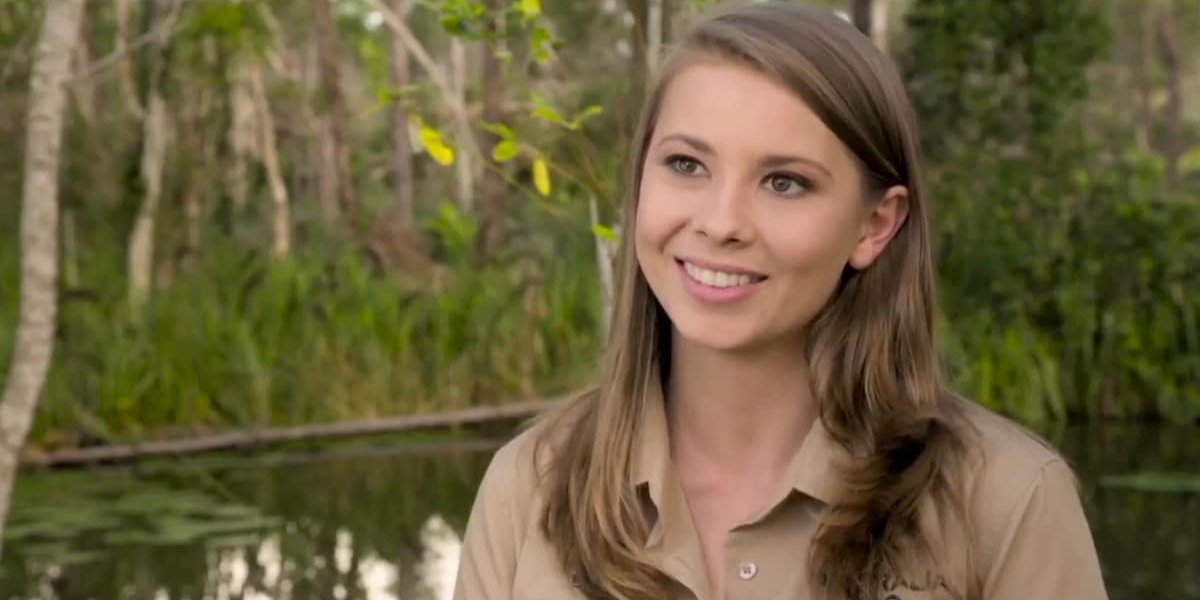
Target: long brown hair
870	350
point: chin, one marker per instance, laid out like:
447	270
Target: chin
725	335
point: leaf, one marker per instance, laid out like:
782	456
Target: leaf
499	129
587	113
504	151
541	176
604	232
546	113
438	149
1178	483
539	43
530	9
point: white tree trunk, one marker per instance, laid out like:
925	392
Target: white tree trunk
654	34
880	19
141	241
154	154
463	162
39	236
281	245
605	252
243	132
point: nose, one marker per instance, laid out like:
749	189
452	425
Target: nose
724	218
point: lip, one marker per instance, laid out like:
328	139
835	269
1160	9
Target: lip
714	295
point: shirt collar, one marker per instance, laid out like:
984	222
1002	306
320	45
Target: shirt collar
812	471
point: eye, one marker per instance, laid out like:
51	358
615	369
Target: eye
787	185
684	165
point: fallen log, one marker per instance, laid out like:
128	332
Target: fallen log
258	438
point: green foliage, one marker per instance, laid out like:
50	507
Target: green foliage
1064	262
320	338
1067	267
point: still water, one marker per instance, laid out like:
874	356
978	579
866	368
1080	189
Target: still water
380	520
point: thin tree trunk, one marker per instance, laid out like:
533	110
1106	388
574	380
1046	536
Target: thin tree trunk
492	188
880	20
654	34
860	15
281	245
83	89
464	162
437	74
1144	131
125	62
403	220
154	150
141	241
1173	135
327	171
243	135
334	105
605	252
640	10
34	343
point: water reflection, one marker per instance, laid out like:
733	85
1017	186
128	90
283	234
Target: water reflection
386	524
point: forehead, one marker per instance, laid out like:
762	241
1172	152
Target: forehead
732	105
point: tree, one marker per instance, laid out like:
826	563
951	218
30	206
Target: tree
1173	140
39	235
154	155
493	186
337	188
860	14
402	152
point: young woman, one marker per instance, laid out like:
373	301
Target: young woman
771	421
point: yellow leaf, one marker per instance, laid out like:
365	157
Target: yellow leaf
541	177
504	151
530	8
438	149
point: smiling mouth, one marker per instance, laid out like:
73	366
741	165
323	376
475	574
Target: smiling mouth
719	279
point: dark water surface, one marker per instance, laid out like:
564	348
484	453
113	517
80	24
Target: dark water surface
380	520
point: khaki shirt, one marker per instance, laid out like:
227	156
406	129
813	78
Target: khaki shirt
1029	538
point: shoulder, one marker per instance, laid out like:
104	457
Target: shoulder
1009	468
518	471
517	466
1003	451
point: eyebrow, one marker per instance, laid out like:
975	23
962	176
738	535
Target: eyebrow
769	161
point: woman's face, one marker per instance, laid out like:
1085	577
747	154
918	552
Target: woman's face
750	209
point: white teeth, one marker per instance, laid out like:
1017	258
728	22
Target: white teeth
719	279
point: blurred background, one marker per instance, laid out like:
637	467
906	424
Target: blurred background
282	213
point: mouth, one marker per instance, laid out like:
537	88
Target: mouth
720	277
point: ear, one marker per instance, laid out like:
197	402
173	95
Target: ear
880	226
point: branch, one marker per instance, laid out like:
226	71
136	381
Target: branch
161	31
435	73
258	438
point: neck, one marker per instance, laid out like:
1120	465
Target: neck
738	412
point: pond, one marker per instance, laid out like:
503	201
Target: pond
380	519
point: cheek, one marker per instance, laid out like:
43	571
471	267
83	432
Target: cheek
657	216
818	246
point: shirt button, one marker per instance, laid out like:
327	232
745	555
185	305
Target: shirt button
747	570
